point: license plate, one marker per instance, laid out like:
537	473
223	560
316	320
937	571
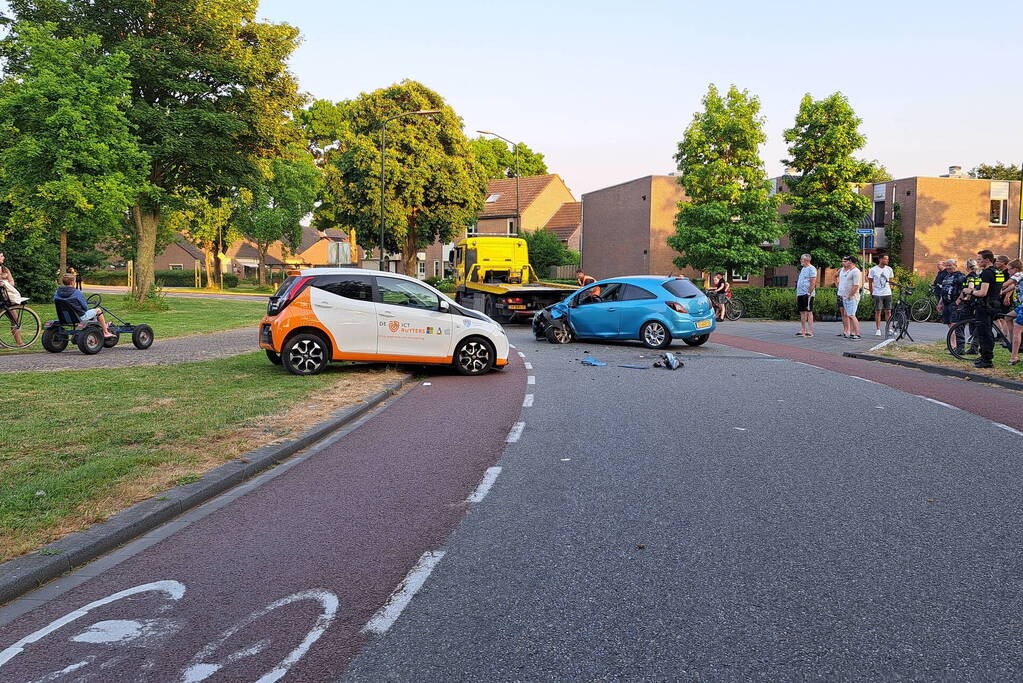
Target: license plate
517	308
702	324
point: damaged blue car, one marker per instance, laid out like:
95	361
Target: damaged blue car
652	309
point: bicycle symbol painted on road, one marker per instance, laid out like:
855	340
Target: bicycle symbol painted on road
111	636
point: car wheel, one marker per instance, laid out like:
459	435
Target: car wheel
559	335
142	337
305	354
655	335
90	340
474	357
273	357
697	341
54	339
111	341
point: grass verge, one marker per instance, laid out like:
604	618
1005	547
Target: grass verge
937	354
183	317
73	458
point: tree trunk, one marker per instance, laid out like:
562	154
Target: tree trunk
208	265
63	255
146	223
408	256
261	277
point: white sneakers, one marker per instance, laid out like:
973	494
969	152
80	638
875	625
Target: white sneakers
877	333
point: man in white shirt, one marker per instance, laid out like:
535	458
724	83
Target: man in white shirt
850	279
879	280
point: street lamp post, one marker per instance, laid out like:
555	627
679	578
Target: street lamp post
383	177
515	162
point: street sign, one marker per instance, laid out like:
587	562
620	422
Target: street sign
864	231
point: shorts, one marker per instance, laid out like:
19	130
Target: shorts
949	313
89	315
805	303
883	302
850	305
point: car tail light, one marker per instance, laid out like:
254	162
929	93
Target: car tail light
293	291
513	300
677	307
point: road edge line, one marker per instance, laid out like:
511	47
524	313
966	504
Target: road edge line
29	572
937	370
385	617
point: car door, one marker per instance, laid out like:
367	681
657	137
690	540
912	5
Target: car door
345	306
636	305
410	323
594	312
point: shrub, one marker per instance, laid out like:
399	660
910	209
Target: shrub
164	278
779	303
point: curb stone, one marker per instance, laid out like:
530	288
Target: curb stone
938	370
26	573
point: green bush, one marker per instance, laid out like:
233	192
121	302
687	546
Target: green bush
779	303
165	278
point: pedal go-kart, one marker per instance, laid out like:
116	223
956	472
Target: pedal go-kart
88	337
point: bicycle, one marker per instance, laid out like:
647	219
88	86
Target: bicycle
961	340
924	309
734	308
897	325
19	325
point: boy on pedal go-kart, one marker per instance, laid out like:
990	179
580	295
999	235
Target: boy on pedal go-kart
74	298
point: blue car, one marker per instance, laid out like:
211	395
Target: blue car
653	309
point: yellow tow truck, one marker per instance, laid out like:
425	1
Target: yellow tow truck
493	275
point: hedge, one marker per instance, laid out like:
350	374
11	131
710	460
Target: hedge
778	303
164	278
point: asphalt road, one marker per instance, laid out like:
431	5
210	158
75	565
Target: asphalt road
744	517
768	511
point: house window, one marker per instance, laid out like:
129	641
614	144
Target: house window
879	214
436	269
420	269
511	226
739	277
999	212
473	229
493	198
177	266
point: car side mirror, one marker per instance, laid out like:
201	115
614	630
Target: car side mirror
445	306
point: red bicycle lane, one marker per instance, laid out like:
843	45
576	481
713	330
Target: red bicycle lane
1003	406
283	579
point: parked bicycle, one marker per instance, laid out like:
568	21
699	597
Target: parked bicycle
19	325
961	340
897	326
924	309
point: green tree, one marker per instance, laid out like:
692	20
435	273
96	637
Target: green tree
207	224
69	162
499	160
546	250
210	93
997	171
434	187
730	215
826	207
875	172
276	204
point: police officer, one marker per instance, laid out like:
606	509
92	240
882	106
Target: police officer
951	287
986	300
965	303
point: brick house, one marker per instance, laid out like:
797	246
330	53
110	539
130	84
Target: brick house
540	199
567	223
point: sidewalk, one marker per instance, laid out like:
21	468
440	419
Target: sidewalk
825	339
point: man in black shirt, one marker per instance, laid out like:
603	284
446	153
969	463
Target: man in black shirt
986	297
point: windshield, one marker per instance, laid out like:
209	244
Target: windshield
683	289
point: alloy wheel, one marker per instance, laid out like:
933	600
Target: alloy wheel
654	334
474	357
306	356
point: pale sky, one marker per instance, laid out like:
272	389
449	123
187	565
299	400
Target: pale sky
605	89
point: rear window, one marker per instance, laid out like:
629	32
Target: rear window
284	286
683	289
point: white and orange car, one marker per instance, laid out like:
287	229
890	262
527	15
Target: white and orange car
325	314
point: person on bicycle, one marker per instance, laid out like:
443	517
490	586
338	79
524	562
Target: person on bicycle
11	294
719	293
1015	268
879	282
74	298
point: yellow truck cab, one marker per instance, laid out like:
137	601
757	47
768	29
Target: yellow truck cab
493	275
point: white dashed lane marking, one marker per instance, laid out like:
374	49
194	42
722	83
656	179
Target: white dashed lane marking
402	595
529	366
516	432
531	380
527	402
489	477
1008	428
937	402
